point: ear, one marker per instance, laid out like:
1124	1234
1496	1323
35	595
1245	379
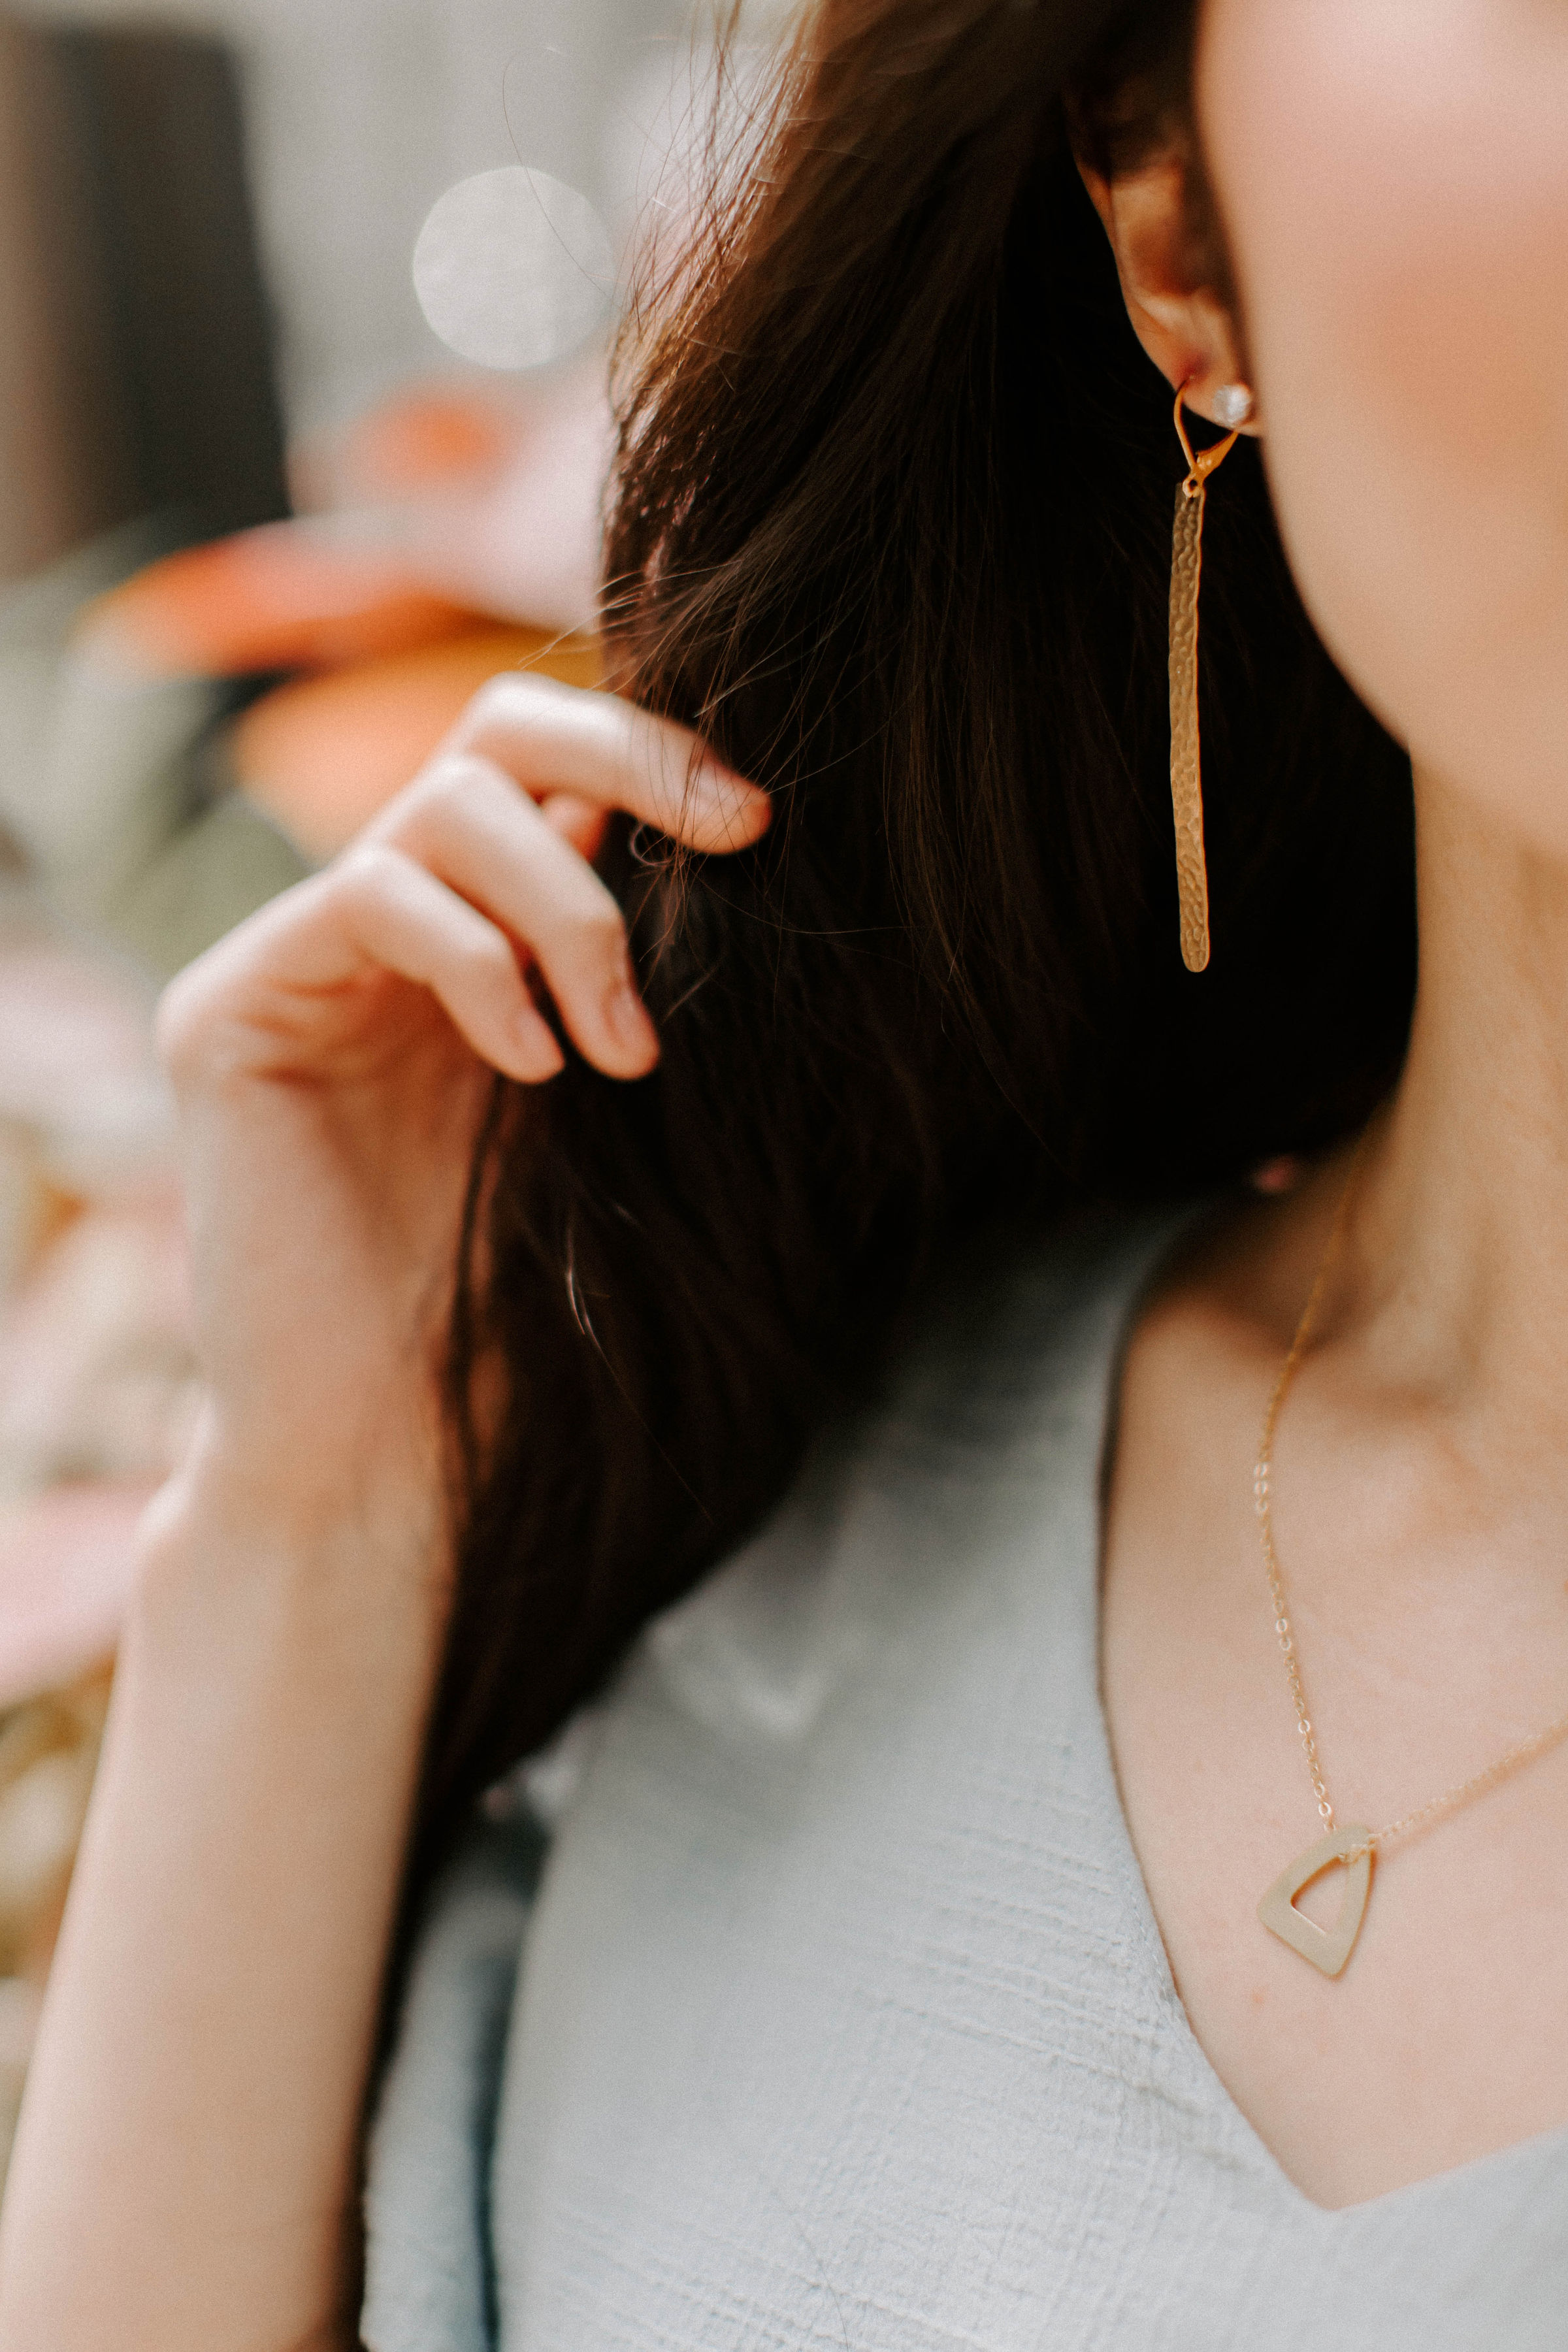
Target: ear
1185	326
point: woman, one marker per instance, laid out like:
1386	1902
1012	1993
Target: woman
880	1988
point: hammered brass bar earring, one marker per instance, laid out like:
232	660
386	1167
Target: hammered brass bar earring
1234	401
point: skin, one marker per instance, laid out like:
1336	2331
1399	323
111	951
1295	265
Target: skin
223	1951
1392	179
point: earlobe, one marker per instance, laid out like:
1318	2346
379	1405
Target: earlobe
1185	326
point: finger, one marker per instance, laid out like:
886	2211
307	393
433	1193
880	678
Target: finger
555	738
394	913
582	822
468	822
374	910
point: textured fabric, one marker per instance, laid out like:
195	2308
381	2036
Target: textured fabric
842	2019
432	2282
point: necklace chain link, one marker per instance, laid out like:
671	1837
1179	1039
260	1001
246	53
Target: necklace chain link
1451	1799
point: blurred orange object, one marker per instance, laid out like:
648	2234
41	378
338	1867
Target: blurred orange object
301	595
280	597
419	440
456	530
321	755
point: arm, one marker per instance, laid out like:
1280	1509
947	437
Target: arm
185	2178
190	2136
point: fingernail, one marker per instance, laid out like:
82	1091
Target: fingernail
627	1018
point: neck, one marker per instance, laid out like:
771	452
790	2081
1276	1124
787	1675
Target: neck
1464	1211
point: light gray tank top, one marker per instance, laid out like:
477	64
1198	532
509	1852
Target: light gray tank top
832	2014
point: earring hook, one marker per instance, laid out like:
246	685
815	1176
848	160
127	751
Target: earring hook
1201	463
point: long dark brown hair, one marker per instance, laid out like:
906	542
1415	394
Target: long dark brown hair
891	527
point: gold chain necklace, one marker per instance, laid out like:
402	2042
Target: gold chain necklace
1353	1844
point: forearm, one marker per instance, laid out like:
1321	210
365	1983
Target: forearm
185	2171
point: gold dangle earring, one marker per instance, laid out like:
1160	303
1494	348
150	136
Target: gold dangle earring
1234	403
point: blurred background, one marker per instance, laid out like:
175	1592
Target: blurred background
305	309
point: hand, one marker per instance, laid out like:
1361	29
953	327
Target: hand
331	1058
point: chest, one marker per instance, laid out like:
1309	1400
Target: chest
842	2020
1443	2039
857	2035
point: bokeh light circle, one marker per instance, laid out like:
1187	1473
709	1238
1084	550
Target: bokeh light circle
514	270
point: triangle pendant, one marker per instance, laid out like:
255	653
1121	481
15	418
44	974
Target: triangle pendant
1327	1948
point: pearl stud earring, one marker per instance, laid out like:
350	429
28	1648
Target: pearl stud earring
1233	405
